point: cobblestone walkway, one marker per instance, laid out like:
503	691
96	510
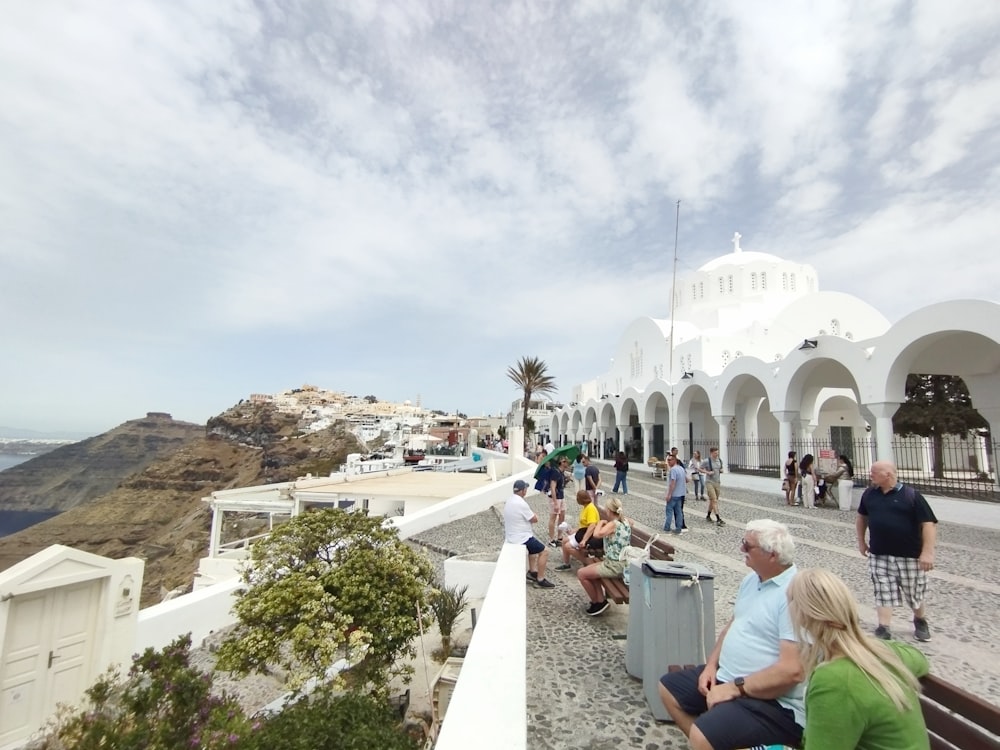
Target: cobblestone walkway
579	695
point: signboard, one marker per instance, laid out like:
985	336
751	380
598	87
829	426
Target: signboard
826	462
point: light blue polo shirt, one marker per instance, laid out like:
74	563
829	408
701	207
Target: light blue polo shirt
760	621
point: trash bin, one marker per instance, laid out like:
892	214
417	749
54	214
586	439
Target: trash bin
845	494
677	605
633	637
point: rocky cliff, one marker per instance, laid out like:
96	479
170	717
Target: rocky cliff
157	513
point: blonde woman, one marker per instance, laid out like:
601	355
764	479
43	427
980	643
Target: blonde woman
616	533
862	692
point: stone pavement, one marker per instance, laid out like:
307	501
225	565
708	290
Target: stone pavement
579	695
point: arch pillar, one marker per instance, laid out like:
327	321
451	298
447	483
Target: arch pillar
785	421
723	421
883	428
647	440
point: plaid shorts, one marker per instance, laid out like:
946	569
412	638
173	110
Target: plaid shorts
896	579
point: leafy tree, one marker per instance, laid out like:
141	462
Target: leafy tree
327	585
530	374
935	406
371	399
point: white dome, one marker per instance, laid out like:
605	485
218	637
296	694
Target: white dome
741	258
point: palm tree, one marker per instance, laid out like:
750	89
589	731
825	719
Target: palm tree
529	374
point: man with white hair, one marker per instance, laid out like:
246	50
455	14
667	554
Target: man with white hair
750	691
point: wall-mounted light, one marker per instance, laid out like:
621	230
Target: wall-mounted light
687	375
808	344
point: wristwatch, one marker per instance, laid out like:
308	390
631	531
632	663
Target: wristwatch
738	682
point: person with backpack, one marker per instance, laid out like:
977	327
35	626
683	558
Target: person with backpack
901	534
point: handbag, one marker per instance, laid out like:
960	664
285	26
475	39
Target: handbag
630	553
784	485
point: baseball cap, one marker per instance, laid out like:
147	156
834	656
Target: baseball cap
520	484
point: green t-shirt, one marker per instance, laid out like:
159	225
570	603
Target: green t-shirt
845	711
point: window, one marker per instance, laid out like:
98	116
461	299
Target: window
753	281
701	289
730	283
763	280
725	358
835	327
793	282
784	282
722	285
694	291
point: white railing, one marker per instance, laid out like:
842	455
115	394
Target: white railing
488	707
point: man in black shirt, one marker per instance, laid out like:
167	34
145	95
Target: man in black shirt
902	531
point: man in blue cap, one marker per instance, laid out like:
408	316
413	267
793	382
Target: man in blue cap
517	519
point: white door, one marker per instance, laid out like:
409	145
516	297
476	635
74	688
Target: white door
47	655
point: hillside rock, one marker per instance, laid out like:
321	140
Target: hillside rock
79	472
158	514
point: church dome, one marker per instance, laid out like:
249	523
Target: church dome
740	258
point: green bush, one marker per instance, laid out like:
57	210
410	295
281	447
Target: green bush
348	722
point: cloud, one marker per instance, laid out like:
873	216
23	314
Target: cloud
208	199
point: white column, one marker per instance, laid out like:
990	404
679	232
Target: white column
647	437
883	428
623	431
723	421
603	441
785	421
213	542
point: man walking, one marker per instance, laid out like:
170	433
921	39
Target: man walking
902	532
712	469
749	691
517	519
676	489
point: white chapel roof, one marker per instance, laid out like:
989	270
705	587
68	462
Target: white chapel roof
740	258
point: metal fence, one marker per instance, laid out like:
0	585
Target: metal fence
950	466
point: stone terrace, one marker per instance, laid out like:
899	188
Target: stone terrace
579	695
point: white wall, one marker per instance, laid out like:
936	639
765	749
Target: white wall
489	705
200	613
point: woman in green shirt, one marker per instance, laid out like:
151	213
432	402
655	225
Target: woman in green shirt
862	692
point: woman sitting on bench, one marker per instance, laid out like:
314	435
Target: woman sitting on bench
616	533
862	692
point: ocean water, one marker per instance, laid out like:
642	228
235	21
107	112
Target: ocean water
9	459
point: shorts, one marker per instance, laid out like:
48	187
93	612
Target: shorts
557	506
712	491
534	546
591	543
742	722
897	579
611	568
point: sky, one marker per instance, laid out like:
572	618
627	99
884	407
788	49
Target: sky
203	200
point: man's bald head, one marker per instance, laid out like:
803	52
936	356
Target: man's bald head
883	475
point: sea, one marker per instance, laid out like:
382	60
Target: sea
16	520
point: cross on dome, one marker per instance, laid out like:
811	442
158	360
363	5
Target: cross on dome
736	243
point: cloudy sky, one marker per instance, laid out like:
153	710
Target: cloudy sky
200	200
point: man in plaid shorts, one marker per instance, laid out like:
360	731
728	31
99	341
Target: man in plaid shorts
901	531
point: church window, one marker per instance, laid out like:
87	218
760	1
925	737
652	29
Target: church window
849	336
793	282
777	357
763	281
784	282
722	285
835	327
694	292
738	354
822	332
725	358
753	281
730	283
701	289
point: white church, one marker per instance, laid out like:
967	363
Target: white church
756	355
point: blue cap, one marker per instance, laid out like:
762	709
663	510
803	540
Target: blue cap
520	484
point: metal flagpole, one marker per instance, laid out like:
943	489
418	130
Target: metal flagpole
673	310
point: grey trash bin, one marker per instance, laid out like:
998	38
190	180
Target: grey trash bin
677	606
633	638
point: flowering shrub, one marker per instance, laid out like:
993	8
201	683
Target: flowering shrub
162	704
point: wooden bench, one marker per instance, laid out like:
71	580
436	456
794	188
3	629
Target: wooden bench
957	719
615	588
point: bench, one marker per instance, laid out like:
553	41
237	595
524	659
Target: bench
615	588
957	719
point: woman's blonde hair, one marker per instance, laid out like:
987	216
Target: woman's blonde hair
825	617
614	506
